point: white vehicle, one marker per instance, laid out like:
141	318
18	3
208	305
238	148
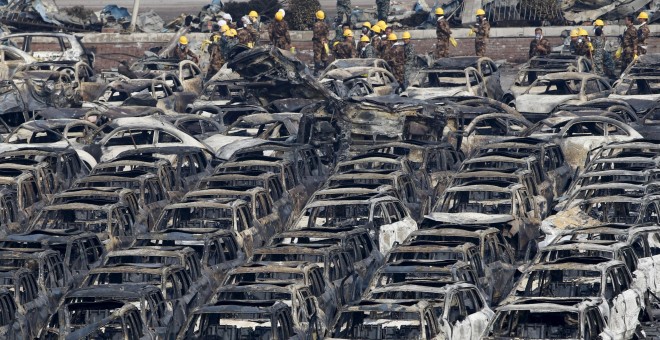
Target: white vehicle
385	216
445	83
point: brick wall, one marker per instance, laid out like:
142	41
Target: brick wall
510	44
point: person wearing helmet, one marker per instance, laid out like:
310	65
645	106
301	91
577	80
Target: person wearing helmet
598	23
395	56
320	41
482	30
256	24
344	9
583	47
409	52
216	53
346	49
643	33
442	34
629	44
364	49
183	52
602	58
243	34
279	32
376	40
382	10
540	46
366	28
387	30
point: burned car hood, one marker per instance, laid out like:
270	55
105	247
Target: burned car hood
538	103
427	93
272	74
469	218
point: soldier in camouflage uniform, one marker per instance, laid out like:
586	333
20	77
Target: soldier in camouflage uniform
279	32
540	46
255	28
442	34
216	58
243	35
345	49
376	41
482	30
365	50
629	44
584	45
320	38
643	33
382	9
344	8
602	59
395	56
409	50
574	41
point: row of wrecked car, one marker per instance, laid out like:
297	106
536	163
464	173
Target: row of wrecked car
266	203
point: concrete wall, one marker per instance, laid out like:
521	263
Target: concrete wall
510	44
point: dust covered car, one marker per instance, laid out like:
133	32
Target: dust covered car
360	82
431	83
549	91
492	128
187	72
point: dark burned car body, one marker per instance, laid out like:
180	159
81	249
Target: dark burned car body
360	82
80	251
254	320
143	92
218	250
378	120
548	319
155	311
411	271
491	128
12	324
65	162
32	303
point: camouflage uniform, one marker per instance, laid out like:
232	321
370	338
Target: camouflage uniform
382	9
244	37
573	47
603	62
396	58
409	50
482	30
539	47
367	52
582	48
345	50
629	46
254	34
643	33
279	34
376	41
216	59
320	30
383	47
442	33
344	8
183	54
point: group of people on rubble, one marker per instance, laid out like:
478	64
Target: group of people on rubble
632	45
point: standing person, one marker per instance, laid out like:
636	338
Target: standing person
602	59
629	44
482	31
442	34
183	52
346	49
540	46
279	32
643	33
395	56
365	50
256	27
382	9
409	52
344	8
320	42
216	57
387	30
243	35
366	28
376	41
584	46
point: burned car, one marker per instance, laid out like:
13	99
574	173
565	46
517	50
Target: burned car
142	92
485	66
186	71
356	62
431	83
491	128
360	82
549	91
12	59
50	46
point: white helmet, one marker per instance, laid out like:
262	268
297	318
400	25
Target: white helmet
227	17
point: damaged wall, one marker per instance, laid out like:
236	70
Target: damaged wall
510	44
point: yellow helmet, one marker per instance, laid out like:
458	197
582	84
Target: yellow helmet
643	15
582	32
439	11
364	38
599	23
481	12
391	37
405	35
320	15
253	14
366	24
230	33
183	40
224	28
348	33
279	16
382	24
574	33
376	28
233	31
